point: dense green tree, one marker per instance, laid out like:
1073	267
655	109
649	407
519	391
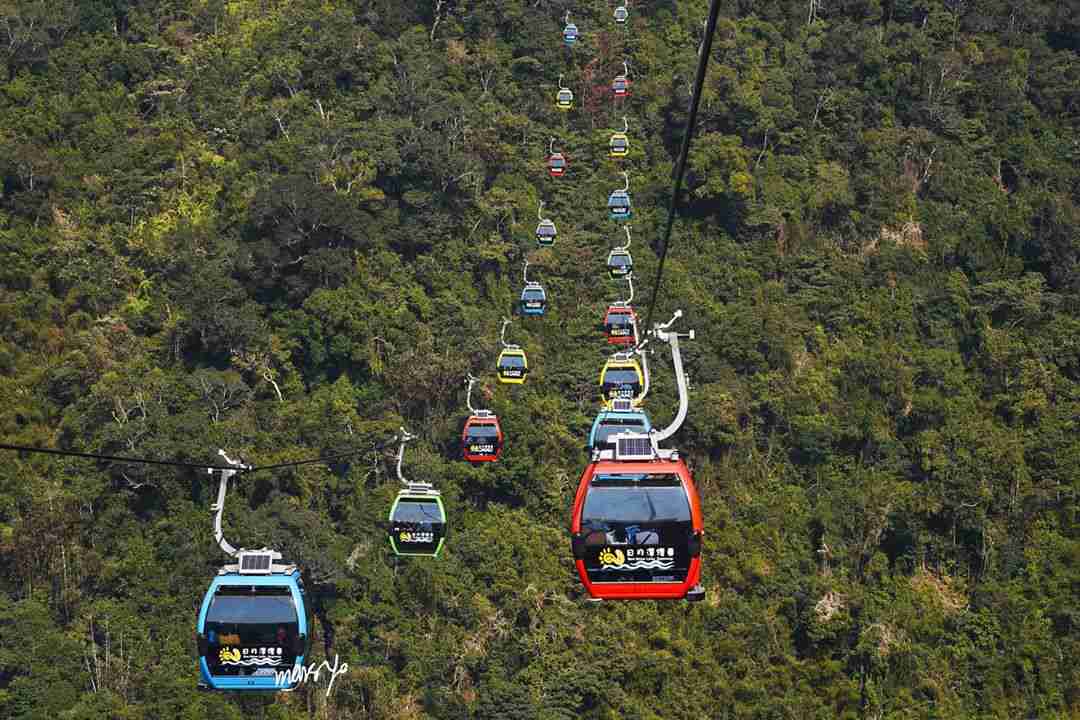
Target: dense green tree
288	227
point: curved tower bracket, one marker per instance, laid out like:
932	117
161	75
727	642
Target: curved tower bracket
672	338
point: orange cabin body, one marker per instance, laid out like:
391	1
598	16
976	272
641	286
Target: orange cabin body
619	325
636	530
481	439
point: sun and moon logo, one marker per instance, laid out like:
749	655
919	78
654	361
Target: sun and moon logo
250	656
616	559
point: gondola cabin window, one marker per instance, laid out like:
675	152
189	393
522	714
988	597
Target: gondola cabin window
482	439
621	383
608	428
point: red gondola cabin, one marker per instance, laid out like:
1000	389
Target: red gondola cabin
637	528
482	438
556	165
619	325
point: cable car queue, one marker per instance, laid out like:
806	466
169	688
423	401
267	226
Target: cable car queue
636	528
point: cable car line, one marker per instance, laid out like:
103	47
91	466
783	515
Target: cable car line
196	466
623	547
680	166
113	458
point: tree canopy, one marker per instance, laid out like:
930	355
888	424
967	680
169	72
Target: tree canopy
287	227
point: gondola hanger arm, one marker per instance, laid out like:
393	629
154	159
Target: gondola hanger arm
669	323
219	506
560	83
551	146
625	125
626	69
627	245
540	211
470	381
641	352
525	272
672	338
630	282
502	333
626	179
403	438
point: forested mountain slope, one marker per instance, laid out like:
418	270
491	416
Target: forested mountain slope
287	227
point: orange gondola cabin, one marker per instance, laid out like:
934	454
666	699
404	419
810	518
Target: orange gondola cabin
637	525
556	164
482	437
619	323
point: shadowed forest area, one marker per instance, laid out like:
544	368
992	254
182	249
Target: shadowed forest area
285	228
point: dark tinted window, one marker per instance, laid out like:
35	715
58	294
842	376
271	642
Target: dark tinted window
483	431
621	376
610	506
629	423
608	428
239	605
418	511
